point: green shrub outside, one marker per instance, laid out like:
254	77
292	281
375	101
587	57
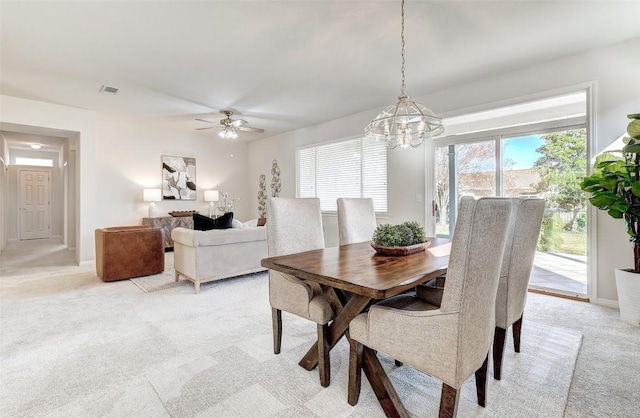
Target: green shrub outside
550	238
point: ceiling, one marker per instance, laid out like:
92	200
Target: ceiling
281	65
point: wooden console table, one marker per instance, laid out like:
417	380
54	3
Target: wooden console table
168	224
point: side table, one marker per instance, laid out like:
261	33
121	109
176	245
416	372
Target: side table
168	224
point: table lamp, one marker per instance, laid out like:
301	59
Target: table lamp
211	196
151	196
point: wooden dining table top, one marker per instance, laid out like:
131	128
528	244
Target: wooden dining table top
359	269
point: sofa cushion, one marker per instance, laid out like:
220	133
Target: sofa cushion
204	223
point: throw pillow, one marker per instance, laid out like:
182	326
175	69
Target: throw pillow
204	223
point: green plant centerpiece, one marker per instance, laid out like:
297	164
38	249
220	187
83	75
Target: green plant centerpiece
615	188
403	239
615	185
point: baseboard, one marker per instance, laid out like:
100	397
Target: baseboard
87	263
608	303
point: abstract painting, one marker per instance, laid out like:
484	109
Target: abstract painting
178	178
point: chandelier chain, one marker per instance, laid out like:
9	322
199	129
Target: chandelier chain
402	52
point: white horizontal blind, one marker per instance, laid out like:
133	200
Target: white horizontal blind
351	168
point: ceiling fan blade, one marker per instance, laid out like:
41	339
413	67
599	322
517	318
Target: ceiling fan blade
204	120
250	129
238	122
202	129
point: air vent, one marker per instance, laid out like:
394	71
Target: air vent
108	89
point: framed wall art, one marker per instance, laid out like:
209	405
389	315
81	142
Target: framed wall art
178	178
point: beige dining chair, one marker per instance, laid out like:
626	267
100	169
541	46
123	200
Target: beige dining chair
517	263
356	220
450	342
295	226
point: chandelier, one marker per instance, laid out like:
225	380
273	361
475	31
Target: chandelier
404	123
228	132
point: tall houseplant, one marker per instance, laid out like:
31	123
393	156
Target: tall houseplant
615	188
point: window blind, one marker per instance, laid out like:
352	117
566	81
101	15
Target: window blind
351	168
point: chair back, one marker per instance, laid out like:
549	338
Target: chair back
476	256
294	225
356	220
517	263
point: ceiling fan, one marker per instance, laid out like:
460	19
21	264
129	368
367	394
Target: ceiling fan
229	127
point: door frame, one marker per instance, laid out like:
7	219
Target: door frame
19	196
587	121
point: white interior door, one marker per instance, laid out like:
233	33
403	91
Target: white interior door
35	207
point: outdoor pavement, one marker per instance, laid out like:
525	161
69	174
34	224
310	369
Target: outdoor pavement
566	273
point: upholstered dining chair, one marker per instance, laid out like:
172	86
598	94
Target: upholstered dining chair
295	226
450	342
356	220
517	263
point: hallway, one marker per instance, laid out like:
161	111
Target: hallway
35	256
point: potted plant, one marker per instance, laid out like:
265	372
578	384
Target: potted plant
404	239
615	187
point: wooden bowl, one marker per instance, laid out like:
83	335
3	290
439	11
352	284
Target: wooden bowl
396	251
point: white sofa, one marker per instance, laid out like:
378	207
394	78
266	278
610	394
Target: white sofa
205	256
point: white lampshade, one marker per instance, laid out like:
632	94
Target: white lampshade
211	195
152	195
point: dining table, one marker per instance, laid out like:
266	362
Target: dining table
353	277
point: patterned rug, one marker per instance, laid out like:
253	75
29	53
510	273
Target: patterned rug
245	379
250	381
157	282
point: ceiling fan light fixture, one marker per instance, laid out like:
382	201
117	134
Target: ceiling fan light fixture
404	123
228	132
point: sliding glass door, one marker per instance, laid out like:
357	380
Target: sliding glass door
548	165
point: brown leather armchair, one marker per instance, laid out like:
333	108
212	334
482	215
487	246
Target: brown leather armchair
124	252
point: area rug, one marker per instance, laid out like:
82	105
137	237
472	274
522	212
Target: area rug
162	281
248	380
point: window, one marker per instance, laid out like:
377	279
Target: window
351	168
42	162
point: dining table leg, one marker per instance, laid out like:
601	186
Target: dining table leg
381	385
337	329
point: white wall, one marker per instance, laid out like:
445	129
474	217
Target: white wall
4	182
128	160
405	170
614	69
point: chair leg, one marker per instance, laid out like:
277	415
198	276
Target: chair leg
448	402
517	327
481	382
355	371
498	350
276	319
324	365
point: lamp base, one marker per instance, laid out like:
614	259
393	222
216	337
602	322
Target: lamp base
152	210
